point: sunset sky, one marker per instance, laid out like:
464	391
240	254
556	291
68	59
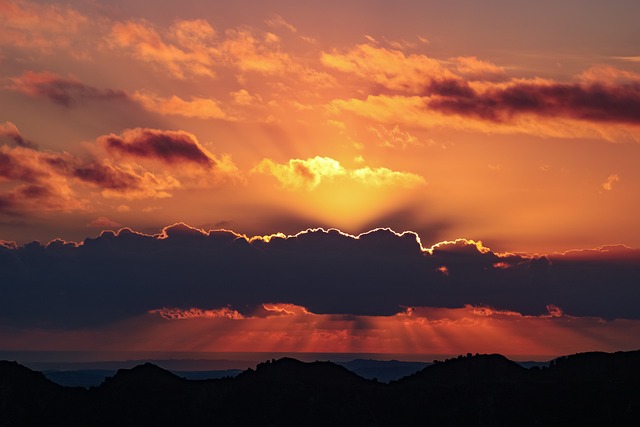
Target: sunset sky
497	143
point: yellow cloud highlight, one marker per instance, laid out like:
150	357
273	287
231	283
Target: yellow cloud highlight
386	177
302	174
310	173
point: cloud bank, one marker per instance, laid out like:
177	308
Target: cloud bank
125	274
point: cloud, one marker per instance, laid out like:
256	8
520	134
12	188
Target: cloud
248	54
48	181
171	160
628	58
391	69
310	173
36	184
103	223
472	68
394	137
276	21
9	131
171	147
595	102
64	91
189	56
325	271
291	328
243	97
43	27
611	180
471	94
386	177
302	174
200	108
196	313
457	106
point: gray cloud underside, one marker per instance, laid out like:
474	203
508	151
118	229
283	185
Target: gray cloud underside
113	277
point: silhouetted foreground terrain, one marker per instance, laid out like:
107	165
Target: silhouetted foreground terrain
588	389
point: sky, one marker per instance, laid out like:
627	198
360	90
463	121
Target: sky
363	176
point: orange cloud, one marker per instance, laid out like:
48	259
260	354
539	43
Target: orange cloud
284	309
473	68
611	180
201	108
394	137
436	112
243	97
59	181
38	26
196	313
190	56
245	51
389	68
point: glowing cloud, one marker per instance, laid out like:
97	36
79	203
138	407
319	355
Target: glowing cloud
38	26
389	68
386	177
302	174
196	313
201	108
309	174
190	56
611	180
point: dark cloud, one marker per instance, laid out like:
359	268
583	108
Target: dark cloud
47	181
106	176
167	146
10	169
9	131
60	90
593	102
116	276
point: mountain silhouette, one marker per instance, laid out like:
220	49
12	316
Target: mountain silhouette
482	390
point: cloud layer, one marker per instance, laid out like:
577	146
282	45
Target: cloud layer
379	273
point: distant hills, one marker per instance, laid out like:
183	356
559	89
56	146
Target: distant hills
381	370
599	389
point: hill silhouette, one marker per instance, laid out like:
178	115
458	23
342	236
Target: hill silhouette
480	390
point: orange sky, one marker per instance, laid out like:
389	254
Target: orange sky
513	123
378	118
426	331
